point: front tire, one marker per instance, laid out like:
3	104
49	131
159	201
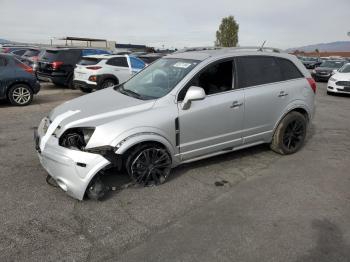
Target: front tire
290	134
97	190
20	95
148	164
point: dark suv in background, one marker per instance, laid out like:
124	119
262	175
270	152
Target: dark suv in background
311	62
57	65
18	83
325	70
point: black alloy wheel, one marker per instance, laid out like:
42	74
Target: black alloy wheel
149	165
290	134
294	134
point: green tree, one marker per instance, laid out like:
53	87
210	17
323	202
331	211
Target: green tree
227	35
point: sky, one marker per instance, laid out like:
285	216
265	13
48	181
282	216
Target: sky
177	23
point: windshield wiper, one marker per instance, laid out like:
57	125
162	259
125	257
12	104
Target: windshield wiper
129	92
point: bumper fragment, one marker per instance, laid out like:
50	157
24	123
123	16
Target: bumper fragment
71	169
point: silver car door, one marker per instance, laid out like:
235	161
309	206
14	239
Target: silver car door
215	123
266	95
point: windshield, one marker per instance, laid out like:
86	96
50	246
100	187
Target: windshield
158	79
345	69
49	55
89	61
309	59
312	59
332	64
31	52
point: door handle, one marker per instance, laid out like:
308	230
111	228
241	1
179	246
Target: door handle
282	94
236	104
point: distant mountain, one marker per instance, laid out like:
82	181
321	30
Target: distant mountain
340	46
4	41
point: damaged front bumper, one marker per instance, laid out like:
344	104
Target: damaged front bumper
71	169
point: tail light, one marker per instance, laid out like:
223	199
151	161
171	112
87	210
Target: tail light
56	65
312	84
93	78
94	67
25	68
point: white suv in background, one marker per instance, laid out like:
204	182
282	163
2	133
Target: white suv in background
101	71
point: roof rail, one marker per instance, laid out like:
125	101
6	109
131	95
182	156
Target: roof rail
198	48
257	48
252	48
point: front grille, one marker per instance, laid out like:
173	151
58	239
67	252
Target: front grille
343	83
323	72
346	89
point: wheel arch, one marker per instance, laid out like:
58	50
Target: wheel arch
105	77
303	109
17	82
137	139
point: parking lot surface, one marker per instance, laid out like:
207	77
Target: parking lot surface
250	205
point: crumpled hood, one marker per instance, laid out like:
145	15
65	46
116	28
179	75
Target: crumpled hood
98	108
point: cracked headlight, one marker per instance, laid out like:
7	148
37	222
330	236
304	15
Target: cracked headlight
76	138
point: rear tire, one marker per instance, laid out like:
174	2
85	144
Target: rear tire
107	83
20	95
290	134
70	83
86	90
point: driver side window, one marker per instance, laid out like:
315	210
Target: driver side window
215	78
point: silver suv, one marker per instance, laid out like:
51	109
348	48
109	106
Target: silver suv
184	107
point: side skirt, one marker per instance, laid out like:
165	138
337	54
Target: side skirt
223	152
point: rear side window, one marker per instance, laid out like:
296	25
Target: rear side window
289	70
70	56
89	61
136	63
31	52
50	55
257	70
118	61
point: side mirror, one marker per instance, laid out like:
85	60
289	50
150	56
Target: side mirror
194	93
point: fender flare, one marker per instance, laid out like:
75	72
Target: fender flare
103	77
292	107
140	137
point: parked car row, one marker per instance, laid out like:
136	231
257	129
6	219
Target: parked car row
326	69
56	65
85	68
